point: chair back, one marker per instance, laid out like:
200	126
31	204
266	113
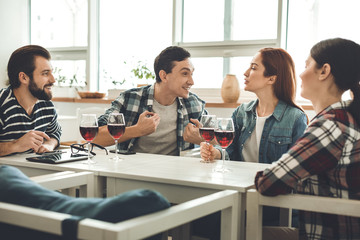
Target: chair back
255	202
136	228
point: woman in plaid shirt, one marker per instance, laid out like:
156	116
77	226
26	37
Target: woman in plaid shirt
325	161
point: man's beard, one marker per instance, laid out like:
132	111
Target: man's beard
38	92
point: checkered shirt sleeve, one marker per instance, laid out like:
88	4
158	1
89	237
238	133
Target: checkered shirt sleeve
324	162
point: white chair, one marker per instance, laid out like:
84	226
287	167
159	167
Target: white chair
68	181
136	228
255	202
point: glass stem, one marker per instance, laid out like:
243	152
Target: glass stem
88	146
223	158
116	143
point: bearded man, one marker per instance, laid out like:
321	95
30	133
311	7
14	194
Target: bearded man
28	119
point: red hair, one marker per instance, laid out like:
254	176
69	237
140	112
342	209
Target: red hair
278	62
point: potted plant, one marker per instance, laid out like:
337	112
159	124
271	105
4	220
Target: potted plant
143	73
140	74
66	87
113	92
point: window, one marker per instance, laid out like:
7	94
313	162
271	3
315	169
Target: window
61	26
208	76
226	20
224	38
59	23
131	35
125	34
102	41
312	21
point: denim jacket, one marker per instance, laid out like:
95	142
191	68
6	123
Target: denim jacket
281	130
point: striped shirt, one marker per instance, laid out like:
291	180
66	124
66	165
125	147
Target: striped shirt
15	122
135	101
325	161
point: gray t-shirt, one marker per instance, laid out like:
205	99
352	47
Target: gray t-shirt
164	139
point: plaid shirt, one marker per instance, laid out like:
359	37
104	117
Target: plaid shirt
325	161
135	101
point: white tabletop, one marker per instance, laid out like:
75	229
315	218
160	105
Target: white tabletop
157	168
183	171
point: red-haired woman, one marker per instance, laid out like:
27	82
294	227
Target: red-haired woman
268	126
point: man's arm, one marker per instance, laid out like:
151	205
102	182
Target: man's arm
31	140
146	125
7	148
191	132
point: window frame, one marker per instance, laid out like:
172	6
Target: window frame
89	53
225	49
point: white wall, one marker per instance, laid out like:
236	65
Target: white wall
14	31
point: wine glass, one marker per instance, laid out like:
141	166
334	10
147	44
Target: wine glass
224	134
88	129
207	127
116	128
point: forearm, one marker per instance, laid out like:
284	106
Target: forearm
105	139
269	187
7	148
52	143
195	140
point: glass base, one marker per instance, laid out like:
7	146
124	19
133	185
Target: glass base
116	158
89	161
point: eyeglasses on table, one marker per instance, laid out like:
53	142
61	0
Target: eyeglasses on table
77	147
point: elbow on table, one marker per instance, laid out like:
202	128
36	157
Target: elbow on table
275	189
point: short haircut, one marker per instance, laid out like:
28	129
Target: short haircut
165	60
23	60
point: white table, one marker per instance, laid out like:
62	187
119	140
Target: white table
182	178
177	178
32	169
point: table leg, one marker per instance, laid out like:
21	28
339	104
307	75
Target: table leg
241	208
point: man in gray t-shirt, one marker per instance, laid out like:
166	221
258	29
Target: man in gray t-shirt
159	118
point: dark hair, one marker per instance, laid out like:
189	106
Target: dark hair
23	60
343	56
278	62
165	60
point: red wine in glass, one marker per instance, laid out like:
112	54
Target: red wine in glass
224	135
115	130
88	129
206	130
224	138
89	133
207	134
